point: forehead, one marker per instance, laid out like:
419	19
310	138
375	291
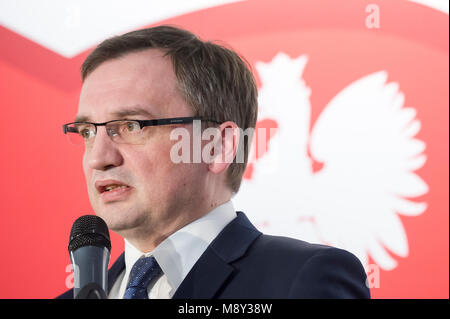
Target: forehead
139	82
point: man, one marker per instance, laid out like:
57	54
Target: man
183	237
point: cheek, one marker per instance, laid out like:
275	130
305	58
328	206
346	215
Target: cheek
146	164
158	173
87	172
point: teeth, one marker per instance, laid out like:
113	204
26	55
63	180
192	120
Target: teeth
111	187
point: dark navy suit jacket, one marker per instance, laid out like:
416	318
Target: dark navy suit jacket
242	262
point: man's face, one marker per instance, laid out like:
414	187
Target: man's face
158	189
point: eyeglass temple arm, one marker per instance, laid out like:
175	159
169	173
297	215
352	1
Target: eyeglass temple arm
67	128
177	120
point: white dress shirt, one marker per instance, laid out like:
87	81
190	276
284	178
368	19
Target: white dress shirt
177	254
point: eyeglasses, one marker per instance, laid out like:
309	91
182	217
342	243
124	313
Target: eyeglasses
120	131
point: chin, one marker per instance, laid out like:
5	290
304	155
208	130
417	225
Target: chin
122	221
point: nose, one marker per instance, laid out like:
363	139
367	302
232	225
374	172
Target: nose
104	153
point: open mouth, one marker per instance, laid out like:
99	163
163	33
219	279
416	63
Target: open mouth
111	188
113	191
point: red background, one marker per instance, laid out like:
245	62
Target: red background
43	189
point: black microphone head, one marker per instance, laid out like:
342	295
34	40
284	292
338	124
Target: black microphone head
89	230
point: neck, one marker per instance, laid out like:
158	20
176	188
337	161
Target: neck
150	235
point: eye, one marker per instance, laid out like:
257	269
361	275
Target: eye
132	127
85	131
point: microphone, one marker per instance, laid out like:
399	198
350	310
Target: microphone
89	250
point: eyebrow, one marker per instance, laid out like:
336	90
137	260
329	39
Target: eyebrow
119	114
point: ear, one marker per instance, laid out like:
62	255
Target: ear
226	146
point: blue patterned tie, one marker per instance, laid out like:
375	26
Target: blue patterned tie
143	271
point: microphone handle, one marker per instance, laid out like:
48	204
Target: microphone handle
90	266
91	291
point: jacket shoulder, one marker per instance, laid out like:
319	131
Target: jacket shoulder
66	295
314	270
288	246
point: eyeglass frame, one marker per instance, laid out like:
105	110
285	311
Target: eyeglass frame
142	123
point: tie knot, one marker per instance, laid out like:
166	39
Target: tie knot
143	271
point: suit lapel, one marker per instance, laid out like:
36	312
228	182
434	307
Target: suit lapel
205	278
115	270
214	267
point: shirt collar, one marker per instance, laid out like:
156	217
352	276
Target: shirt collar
178	253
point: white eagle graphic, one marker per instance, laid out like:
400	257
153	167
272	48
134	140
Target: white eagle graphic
364	137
